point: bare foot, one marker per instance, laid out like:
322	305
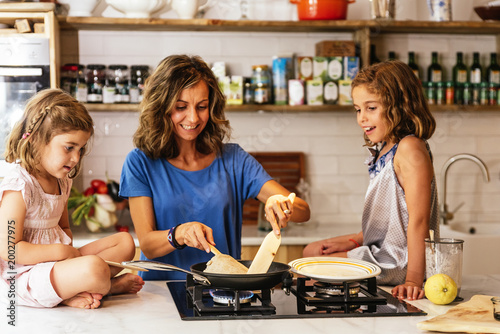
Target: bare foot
126	283
84	300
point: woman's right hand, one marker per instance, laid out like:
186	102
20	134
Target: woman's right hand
195	234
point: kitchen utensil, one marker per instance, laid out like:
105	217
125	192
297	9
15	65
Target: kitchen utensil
187	9
124	266
334	269
474	316
214	250
444	256
488	12
154	265
322	9
265	254
275	275
137	8
440	10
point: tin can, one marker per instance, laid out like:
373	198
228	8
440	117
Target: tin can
467	93
450	92
492	94
430	92
484	94
459	93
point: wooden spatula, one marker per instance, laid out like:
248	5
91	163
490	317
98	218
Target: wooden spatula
265	254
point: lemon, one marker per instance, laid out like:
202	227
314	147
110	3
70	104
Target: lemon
440	289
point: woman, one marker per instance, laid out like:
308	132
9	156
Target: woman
185	186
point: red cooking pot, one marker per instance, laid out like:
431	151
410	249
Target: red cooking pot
322	9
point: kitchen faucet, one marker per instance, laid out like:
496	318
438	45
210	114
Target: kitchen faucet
445	215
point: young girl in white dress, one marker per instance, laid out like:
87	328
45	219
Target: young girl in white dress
36	252
401	201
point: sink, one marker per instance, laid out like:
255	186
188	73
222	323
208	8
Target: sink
481	248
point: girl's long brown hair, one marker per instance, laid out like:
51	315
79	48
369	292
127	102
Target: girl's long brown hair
155	136
49	113
401	93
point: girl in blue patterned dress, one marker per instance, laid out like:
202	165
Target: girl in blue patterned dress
401	201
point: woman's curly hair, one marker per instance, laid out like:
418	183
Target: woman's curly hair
155	135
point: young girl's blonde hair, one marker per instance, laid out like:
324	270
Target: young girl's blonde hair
49	113
400	91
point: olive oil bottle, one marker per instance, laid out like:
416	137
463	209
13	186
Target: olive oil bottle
435	71
413	64
460	72
476	71
493	71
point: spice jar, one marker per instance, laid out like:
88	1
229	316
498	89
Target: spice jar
96	79
261	84
118	77
138	75
73	81
430	92
450	93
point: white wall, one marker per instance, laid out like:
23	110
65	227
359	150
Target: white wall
332	142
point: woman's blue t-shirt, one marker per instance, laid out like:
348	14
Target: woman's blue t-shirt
213	196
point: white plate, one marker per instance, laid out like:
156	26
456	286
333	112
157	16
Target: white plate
334	269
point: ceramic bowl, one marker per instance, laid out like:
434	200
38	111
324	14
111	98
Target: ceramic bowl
137	8
80	7
488	12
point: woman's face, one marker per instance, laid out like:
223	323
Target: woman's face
191	112
370	114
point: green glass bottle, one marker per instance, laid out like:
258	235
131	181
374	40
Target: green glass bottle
476	71
493	71
392	55
460	72
413	64
435	71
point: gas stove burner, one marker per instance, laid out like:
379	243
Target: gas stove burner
329	289
226	297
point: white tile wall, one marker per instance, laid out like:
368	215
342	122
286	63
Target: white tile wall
332	142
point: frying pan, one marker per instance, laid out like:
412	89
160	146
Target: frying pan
275	275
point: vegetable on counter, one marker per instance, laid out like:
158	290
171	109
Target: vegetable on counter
96	205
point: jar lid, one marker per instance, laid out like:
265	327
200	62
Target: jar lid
96	67
118	67
260	67
72	67
140	67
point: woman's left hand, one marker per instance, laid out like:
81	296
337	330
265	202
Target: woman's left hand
409	290
278	210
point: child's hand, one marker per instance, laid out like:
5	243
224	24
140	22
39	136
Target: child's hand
409	290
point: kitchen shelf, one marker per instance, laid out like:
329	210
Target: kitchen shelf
156	24
105	107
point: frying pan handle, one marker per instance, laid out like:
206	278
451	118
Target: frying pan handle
155	265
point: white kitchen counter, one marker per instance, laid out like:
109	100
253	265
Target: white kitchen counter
295	234
152	310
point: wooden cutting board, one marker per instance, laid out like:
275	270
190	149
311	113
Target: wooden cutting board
474	316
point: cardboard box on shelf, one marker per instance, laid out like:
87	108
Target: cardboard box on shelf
335	49
314	91
22	26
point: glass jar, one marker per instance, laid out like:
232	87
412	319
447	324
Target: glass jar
73	81
138	75
450	93
430	92
96	79
118	77
467	93
247	91
261	84
492	94
484	94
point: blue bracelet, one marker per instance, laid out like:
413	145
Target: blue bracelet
171	238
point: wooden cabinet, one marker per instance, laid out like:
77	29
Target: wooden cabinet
36	13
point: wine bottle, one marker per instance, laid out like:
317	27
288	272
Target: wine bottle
392	55
435	71
476	71
413	64
460	69
373	55
493	71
